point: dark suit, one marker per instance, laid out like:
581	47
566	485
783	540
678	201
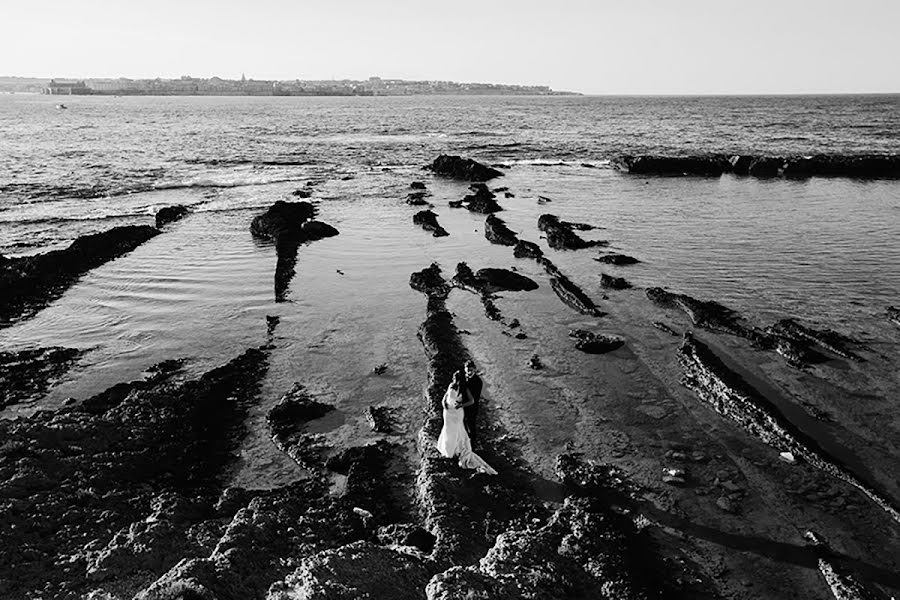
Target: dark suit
474	385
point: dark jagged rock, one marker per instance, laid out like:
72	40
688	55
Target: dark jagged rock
827	339
614	283
707	314
620	260
417	185
358	570
317	230
430	282
719	318
120	484
585	550
482	200
843	585
302	193
503	280
462	168
496	232
573	296
526	249
893	314
30	283
417	199
561	234
672	165
283	221
730	396
378	418
287	423
865	166
406	534
170	214
427	220
595	343
26	375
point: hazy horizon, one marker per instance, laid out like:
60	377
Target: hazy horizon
699	47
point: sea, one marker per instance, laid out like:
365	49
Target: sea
826	250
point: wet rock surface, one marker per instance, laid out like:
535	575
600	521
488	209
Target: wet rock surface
595	343
729	395
487	282
120	484
427	220
843	585
287	421
30	283
462	168
525	249
827	339
561	234
865	166
496	232
573	296
379	418
614	283
27	374
170	214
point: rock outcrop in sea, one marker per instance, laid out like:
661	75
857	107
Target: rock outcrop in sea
427	220
27	374
289	224
864	166
170	214
462	168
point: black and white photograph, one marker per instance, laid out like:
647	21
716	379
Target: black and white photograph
470	300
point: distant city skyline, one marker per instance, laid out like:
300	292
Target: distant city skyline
594	47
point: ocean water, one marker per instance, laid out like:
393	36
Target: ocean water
823	249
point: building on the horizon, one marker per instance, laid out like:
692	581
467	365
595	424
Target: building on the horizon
66	88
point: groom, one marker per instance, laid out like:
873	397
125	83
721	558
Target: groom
471	400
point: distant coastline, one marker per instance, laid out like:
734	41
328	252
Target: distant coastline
215	86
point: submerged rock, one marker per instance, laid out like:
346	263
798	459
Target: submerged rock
417	185
287	423
30	283
595	343
496	232
417	199
427	220
462	168
170	214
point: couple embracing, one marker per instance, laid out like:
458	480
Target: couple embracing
460	412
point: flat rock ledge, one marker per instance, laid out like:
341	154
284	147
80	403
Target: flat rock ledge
728	394
30	283
462	168
27	374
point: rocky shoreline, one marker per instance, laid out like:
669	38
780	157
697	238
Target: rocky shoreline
612	484
873	166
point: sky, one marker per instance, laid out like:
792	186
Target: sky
589	46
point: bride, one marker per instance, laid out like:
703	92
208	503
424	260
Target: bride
454	440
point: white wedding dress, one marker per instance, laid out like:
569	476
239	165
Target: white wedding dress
454	440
